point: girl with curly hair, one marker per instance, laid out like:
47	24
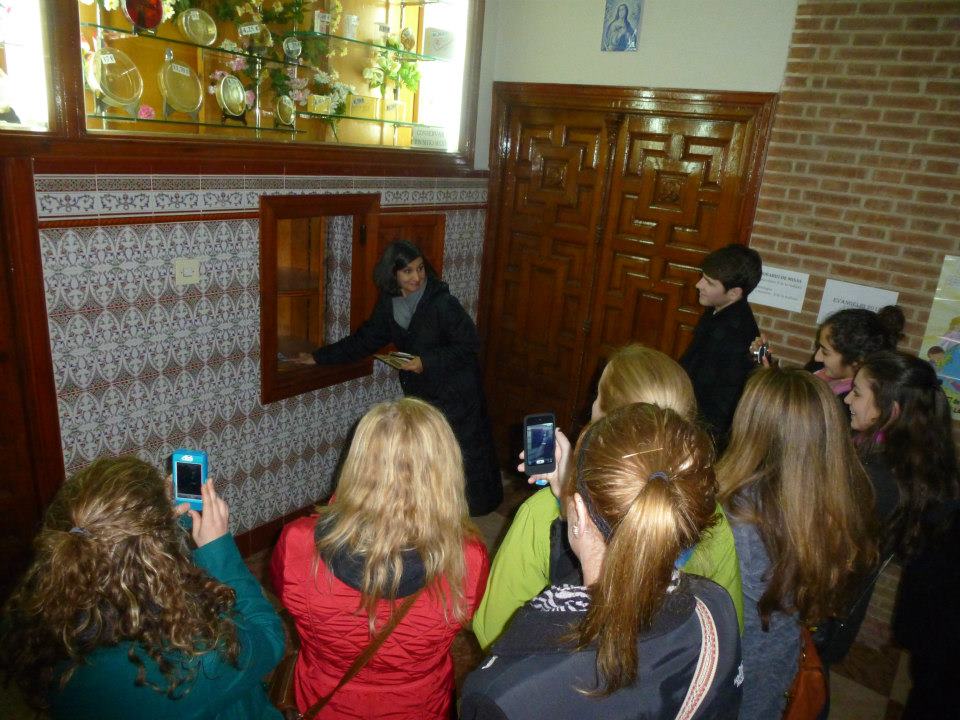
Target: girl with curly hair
115	620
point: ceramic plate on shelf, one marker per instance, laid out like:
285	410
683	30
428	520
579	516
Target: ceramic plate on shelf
231	95
286	110
197	26
112	75
144	14
180	87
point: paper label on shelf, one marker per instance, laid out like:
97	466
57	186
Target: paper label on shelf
180	69
321	21
319	104
107	59
248	29
362	106
428	137
383	28
438	43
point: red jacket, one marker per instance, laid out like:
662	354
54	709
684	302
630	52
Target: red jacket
411	676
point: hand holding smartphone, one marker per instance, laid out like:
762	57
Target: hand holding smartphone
189	476
539	445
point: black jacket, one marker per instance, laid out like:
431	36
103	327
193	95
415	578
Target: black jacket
445	338
718	361
532	673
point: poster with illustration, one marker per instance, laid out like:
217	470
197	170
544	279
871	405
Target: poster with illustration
941	339
621	24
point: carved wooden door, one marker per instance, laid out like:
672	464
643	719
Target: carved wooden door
604	202
551	204
678	191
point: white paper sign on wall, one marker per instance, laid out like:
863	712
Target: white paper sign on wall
781	288
840	295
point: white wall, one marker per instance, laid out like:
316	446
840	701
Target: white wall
703	44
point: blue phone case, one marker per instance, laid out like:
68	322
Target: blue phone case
188	457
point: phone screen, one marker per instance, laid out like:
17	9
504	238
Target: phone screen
189	476
540	444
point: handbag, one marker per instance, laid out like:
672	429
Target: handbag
282	692
807	695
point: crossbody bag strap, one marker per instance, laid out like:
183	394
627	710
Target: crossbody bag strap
368	652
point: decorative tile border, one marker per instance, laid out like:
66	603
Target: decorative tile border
61	197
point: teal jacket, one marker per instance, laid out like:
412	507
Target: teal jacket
103	688
521	568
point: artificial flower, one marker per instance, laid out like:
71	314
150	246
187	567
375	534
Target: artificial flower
146	112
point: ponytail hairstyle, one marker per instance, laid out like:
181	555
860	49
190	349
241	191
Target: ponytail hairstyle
396	256
645	475
856	332
113	565
791	469
402	488
636	373
914	432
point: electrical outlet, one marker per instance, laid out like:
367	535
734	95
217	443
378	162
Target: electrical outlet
186	271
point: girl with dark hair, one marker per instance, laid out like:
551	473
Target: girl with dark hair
903	426
639	638
114	620
417	313
794	492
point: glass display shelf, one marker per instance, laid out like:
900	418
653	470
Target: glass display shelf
406	54
399	123
186	43
221	126
296	281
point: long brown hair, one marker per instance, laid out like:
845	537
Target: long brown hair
792	470
646	473
113	565
402	488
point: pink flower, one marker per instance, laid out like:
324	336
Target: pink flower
251	98
146	112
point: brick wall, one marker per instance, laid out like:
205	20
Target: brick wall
862	180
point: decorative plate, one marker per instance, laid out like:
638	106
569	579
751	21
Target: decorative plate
197	26
231	96
112	75
286	110
180	87
144	14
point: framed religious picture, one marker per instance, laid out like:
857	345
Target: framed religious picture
621	24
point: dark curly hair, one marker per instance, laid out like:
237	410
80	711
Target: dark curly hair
396	256
113	565
855	332
914	433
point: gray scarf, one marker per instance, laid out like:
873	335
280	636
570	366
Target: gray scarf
404	307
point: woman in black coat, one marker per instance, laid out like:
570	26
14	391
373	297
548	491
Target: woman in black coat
417	313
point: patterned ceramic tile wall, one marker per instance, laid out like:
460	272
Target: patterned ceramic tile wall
144	366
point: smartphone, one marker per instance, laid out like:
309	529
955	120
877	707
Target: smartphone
189	473
539	443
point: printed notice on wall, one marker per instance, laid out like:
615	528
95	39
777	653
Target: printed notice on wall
941	339
840	295
780	288
433	138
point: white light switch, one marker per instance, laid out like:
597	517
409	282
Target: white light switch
186	271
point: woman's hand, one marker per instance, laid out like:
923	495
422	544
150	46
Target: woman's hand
767	359
213	522
562	458
304	359
414	365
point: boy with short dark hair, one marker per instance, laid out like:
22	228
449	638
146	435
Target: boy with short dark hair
718	359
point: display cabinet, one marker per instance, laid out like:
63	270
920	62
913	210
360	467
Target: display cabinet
351	72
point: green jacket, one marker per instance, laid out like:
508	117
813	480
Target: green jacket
103	688
521	568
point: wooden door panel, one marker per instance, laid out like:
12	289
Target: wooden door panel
676	194
550	208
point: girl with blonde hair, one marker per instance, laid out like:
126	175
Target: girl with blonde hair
533	552
114	620
397	525
639	638
798	500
